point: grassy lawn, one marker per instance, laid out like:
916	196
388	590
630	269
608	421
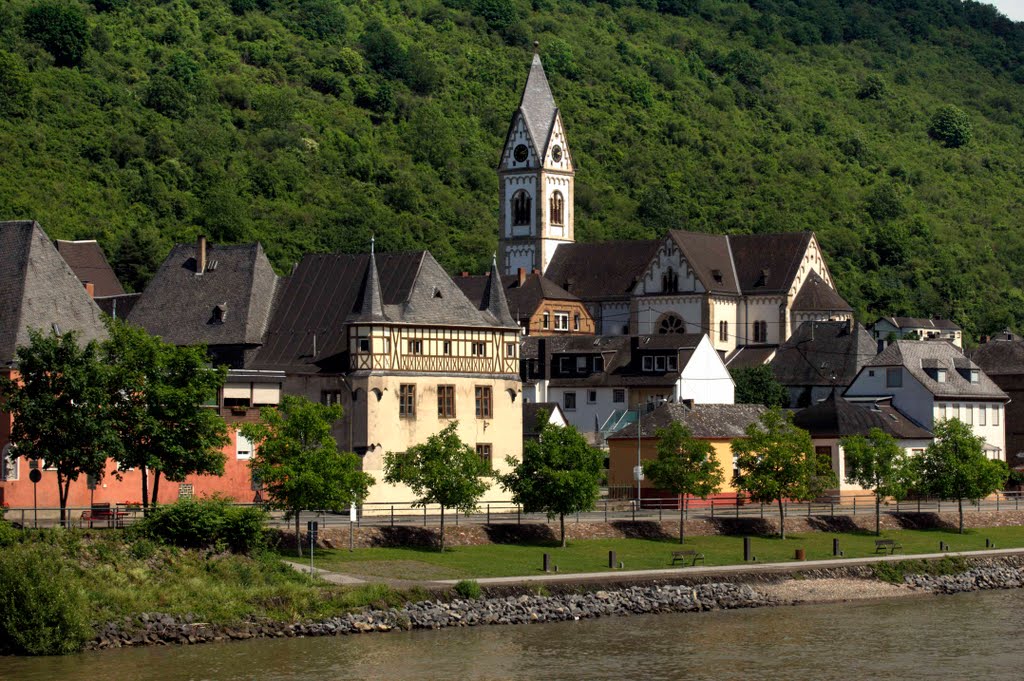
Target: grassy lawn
503	560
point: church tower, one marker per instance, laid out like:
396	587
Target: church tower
536	177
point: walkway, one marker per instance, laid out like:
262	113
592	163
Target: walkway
332	577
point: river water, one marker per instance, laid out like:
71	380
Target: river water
967	636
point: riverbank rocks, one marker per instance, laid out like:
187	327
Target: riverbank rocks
977	579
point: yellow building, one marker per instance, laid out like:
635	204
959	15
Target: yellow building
719	424
395	342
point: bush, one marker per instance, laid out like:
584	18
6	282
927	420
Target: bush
61	29
8	535
468	588
206	523
951	126
42	606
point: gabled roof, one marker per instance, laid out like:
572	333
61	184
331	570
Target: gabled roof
710	257
917	356
39	290
711	421
921	323
837	417
604	270
823	353
816	295
89	264
746	356
767	263
228	304
523	300
1000	357
326	292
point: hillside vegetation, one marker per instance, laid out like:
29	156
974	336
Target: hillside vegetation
894	128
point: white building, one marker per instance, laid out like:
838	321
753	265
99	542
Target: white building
930	381
914	328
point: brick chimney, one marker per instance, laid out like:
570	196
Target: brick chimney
201	255
521	273
90	288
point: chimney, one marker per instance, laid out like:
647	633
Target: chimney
521	273
465	274
201	255
687	402
90	288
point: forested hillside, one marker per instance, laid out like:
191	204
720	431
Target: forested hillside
894	128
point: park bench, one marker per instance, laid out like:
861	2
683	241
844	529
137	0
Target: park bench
97	513
890	545
688	555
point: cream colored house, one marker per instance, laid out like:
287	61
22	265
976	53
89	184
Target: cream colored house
395	342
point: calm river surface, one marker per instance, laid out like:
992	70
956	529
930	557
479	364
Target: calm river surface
969	636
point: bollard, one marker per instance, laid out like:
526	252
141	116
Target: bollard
424	515
392	515
606	511
799	555
547	563
621	565
988	543
488	514
611	559
835	546
746	549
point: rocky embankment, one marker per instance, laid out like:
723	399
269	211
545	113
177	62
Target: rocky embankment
159	629
977	579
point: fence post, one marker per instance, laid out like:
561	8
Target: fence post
712	508
855	505
488	514
897	505
810	505
456	517
392	515
997	501
424	515
832	509
606	511
919	504
659	513
762	510
634	511
519	514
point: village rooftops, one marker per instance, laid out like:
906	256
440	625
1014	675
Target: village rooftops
823	353
911	323
1000	357
940	368
40	291
90	265
836	417
705	421
603	270
523	296
816	295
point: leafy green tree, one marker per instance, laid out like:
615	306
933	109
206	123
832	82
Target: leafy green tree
559	474
60	408
757	385
60	27
298	462
777	461
685	466
137	258
951	126
878	463
157	395
955	466
15	88
444	470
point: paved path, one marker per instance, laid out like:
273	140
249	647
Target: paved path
332	577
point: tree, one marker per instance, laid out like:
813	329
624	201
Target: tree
777	462
685	466
559	473
951	126
757	385
955	466
877	462
61	29
15	86
60	408
158	392
444	470
298	462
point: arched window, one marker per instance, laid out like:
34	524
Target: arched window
723	330
761	332
670	281
671	323
521	204
557	209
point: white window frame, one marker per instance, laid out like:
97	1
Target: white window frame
969	411
364	345
982	414
673	363
940	375
619	395
241	453
660	363
414	346
546	320
591	396
581	364
995	414
561	321
566	399
648	363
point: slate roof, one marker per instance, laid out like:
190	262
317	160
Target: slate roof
912	355
538	106
747	356
1000	357
118	307
179	304
922	323
605	270
823	353
815	294
531	414
523	300
711	421
88	262
838	417
39	290
326	292
708	255
776	255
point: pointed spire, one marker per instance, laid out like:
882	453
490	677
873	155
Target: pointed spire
372	307
494	296
538	104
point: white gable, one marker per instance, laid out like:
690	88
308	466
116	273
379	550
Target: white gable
813	260
518	135
557	139
668	263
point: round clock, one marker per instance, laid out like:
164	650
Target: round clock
520	153
556	154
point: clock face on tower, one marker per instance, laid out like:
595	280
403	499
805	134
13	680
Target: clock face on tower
556	154
520	153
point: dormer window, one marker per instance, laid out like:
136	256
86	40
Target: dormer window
717	276
581	364
975	376
648	363
659	363
673	363
763	279
940	375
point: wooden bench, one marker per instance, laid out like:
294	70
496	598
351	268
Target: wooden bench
98	513
688	555
890	545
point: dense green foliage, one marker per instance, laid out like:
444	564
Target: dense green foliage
309	124
877	462
203	523
758	385
41	602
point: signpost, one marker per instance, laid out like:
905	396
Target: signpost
312	529
351	527
35	476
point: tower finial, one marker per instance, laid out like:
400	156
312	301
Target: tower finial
373	241
536	46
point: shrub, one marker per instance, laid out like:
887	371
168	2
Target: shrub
61	29
42	606
951	126
205	523
468	588
8	535
15	87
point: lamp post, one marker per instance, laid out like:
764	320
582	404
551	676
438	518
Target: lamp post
639	473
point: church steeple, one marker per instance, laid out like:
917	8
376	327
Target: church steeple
494	297
536	175
372	306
